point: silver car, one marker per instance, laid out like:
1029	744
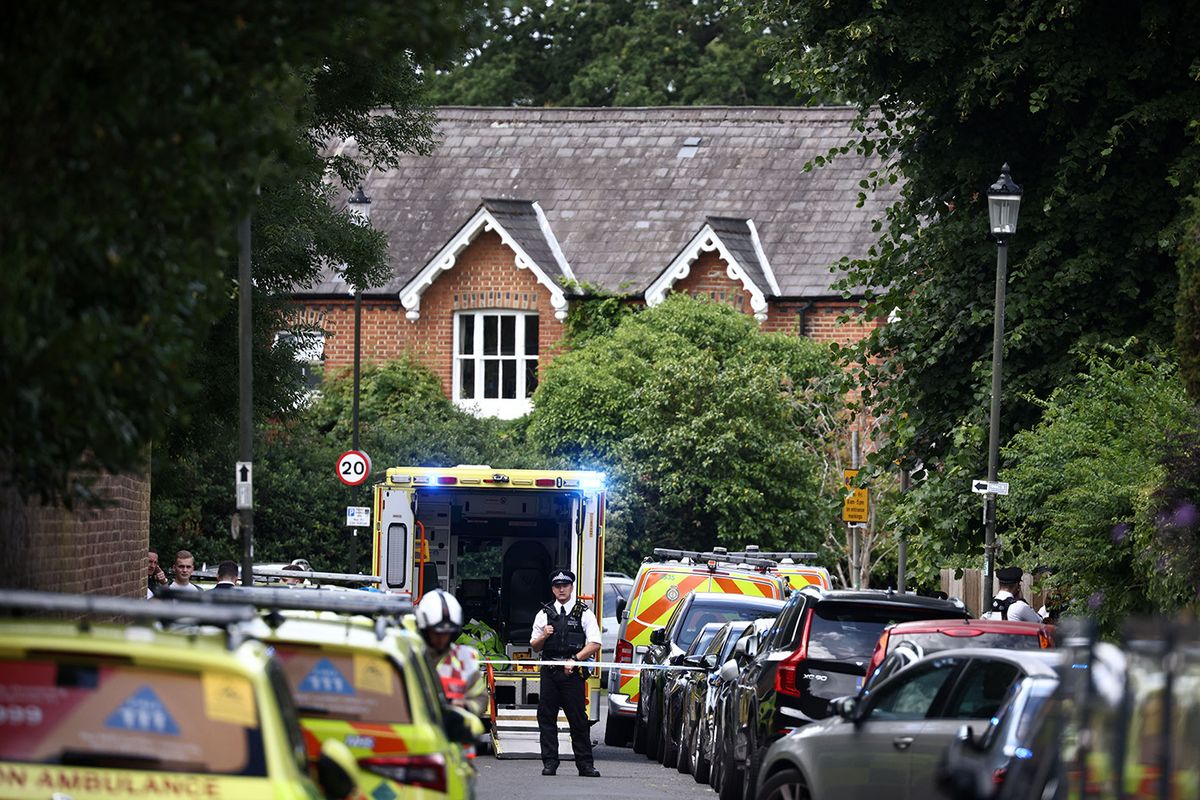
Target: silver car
615	588
886	743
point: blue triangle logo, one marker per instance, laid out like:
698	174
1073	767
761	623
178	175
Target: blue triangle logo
143	712
326	679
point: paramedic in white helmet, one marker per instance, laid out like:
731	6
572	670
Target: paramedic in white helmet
440	619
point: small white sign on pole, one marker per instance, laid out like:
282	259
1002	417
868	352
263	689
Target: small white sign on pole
358	516
243	479
989	487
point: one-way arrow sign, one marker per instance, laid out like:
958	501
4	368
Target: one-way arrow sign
243	476
989	487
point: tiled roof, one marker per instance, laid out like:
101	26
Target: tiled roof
623	192
735	234
520	219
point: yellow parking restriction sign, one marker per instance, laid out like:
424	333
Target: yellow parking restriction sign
857	503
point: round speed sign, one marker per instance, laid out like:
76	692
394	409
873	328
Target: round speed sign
353	467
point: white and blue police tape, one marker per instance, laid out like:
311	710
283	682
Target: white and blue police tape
589	664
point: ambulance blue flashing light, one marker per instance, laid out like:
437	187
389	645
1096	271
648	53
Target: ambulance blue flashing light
593	481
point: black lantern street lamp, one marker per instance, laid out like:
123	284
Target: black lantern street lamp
1004	202
360	210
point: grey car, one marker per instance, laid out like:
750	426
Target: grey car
886	743
615	588
976	765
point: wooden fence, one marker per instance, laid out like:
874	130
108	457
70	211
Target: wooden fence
969	588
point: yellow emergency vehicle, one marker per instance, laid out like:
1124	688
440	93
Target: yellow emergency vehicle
102	711
360	677
659	586
492	538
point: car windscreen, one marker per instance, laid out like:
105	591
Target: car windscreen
612	593
933	642
344	685
701	641
849	631
700	614
118	715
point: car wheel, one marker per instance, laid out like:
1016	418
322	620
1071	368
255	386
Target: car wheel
731	776
750	773
785	785
617	731
653	730
684	750
639	730
701	768
669	751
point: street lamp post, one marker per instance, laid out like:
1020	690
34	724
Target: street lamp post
1004	201
360	208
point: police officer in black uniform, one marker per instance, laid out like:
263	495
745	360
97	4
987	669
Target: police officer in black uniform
565	630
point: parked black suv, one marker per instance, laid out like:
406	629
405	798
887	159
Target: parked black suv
668	645
818	651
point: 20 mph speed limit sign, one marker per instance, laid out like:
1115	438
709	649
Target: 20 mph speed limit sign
353	467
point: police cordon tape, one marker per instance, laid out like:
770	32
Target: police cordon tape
590	664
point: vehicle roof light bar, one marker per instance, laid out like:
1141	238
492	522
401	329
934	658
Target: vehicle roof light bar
752	558
319	577
31	600
299	599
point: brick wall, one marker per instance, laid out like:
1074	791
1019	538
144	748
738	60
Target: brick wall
99	551
484	276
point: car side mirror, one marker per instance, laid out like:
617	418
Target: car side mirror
751	648
709	662
729	670
846	707
461	726
621	603
658	636
692	661
337	771
966	738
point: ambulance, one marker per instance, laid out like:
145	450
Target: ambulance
492	537
661	583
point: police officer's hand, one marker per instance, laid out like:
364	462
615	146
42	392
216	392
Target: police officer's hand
570	665
548	631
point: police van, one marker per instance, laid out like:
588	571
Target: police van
661	584
492	538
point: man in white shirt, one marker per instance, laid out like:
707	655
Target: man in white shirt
1008	603
565	630
185	565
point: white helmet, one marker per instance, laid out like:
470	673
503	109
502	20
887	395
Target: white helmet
439	611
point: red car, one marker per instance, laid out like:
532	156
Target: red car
904	642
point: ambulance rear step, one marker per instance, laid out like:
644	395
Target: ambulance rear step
515	735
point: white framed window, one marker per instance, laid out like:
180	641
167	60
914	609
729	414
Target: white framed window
495	361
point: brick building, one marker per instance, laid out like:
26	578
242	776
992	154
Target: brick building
519	211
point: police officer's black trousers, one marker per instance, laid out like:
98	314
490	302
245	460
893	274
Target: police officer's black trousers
564	690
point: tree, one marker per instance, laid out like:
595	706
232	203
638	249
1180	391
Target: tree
121	200
1092	498
703	424
404	419
1091	102
621	53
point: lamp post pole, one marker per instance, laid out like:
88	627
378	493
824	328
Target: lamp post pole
1004	200
360	206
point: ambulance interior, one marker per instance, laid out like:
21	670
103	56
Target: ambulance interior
495	552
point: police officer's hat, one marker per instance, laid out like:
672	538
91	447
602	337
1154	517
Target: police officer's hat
562	576
1009	575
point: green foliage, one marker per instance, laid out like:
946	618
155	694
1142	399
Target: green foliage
1092	104
1085	488
1187	304
596	312
404	419
619	53
701	422
121	202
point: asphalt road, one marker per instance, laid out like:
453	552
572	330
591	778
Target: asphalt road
625	775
